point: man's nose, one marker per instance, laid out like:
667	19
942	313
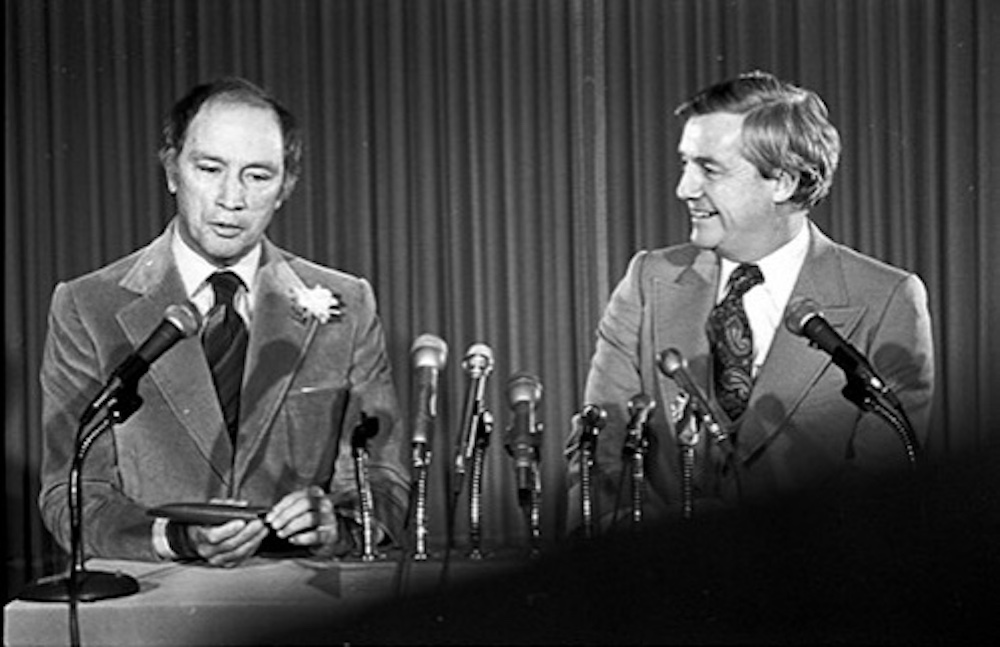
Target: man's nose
689	187
232	193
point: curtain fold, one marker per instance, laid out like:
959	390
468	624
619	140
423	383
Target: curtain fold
491	166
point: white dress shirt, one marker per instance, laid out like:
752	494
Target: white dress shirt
765	303
195	271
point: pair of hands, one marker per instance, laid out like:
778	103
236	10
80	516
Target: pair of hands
305	518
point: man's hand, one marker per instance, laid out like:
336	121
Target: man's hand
229	544
305	518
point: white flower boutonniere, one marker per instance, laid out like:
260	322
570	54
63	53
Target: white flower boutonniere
316	303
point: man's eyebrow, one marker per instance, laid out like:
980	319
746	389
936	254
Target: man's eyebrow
203	155
701	160
267	166
212	157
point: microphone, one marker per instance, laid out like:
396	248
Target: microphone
429	354
864	386
592	418
523	391
805	319
366	429
640	407
673	365
179	321
477	364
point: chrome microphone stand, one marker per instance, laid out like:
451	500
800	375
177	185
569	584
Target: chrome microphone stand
79	584
530	499
524	445
484	428
477	424
421	463
429	353
688	436
535	514
636	446
692	411
592	420
366	428
886	406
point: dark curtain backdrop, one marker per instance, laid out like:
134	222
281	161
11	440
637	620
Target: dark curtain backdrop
491	166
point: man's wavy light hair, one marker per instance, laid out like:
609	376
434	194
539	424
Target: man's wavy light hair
786	128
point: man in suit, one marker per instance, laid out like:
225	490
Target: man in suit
757	155
263	415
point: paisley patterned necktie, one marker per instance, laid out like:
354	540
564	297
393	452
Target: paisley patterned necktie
731	341
225	342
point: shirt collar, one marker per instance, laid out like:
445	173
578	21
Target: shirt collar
780	268
195	270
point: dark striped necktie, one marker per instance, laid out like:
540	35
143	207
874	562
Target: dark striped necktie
731	341
225	341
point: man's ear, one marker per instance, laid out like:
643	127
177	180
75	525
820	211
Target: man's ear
785	185
287	186
168	159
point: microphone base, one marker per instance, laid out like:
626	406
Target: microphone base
90	586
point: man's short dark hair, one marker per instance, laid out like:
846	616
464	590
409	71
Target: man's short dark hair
232	89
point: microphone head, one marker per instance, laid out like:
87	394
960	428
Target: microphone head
641	403
593	416
798	314
523	387
671	361
478	360
429	351
185	317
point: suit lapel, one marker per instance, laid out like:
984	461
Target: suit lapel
278	343
680	308
792	367
181	374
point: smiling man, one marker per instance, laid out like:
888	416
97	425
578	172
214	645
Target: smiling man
756	155
258	409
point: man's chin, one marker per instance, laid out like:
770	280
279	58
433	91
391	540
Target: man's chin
227	253
702	241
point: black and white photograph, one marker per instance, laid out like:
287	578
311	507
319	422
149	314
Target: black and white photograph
347	322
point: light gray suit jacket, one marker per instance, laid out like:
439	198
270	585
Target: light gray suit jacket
799	433
305	384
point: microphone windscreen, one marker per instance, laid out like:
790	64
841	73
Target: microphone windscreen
671	361
429	351
640	403
185	317
593	416
478	359
523	387
179	321
799	312
480	348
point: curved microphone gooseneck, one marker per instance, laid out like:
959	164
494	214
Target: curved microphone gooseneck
865	387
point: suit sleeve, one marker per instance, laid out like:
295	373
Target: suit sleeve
613	379
71	373
902	352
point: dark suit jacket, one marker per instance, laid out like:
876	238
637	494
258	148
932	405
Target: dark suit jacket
304	386
799	432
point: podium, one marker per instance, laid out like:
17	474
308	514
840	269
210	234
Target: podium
264	601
